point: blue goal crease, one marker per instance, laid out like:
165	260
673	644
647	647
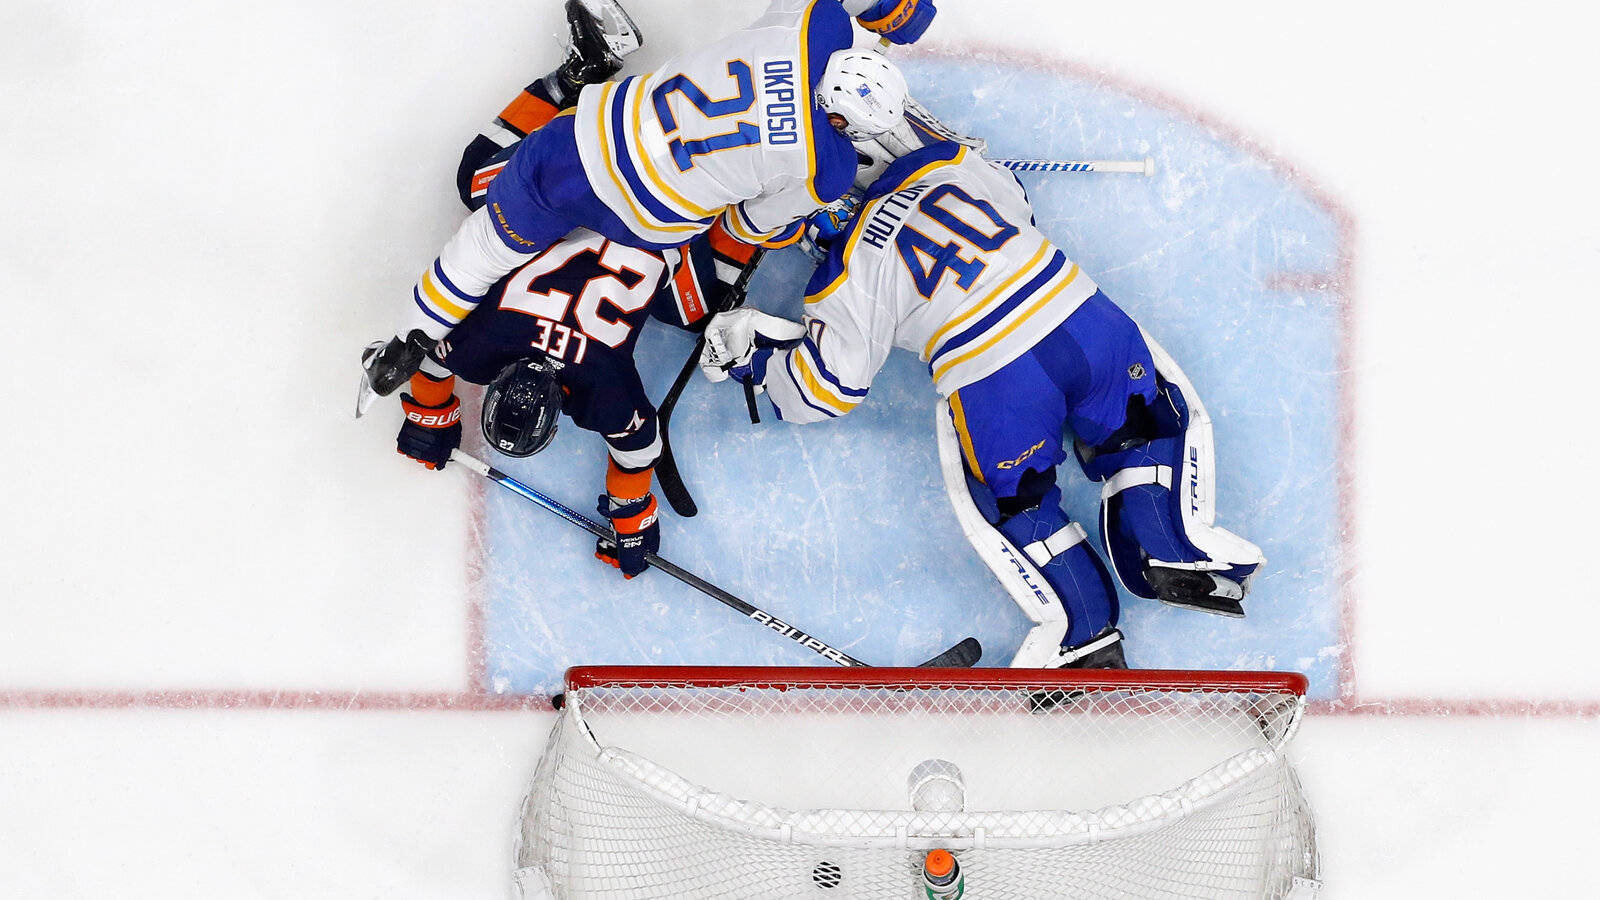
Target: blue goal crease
843	528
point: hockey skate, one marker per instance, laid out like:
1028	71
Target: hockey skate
1197	590
600	34
1104	651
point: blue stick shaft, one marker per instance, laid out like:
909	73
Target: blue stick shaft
700	584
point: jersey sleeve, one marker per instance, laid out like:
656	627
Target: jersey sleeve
848	338
491	149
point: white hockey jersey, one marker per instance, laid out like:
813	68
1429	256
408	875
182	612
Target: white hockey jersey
942	260
728	130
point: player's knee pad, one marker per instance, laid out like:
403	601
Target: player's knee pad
1158	503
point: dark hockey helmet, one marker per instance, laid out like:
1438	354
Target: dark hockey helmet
522	407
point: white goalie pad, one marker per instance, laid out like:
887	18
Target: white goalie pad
1195	475
1015	568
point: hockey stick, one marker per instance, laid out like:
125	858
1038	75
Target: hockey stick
1146	166
963	654
672	486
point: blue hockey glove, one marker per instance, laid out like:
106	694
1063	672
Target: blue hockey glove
429	432
636	531
901	21
826	224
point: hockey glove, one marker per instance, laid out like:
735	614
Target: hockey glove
901	21
827	223
432	429
635	529
738	343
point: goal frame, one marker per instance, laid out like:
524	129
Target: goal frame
616	779
1223	681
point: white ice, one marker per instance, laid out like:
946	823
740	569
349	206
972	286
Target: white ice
209	208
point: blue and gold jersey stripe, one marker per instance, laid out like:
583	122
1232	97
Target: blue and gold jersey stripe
439	298
1010	315
831	274
647	207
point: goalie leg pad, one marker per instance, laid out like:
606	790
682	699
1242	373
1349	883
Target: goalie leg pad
1067	561
1158	502
1036	552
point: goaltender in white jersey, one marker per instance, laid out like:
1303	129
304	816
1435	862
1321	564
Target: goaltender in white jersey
943	262
942	259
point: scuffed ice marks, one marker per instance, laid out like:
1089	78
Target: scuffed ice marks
843	528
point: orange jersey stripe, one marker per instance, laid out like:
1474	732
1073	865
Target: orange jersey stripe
730	246
626	485
688	289
431	391
481	179
528	113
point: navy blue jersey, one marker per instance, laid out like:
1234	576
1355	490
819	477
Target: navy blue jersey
582	302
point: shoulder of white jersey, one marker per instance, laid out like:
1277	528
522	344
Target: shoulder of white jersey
901	174
914	166
825	29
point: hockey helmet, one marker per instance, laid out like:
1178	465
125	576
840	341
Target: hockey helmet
862	92
522	407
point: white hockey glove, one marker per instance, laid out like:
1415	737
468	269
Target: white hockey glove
734	338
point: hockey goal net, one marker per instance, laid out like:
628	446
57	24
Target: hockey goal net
814	783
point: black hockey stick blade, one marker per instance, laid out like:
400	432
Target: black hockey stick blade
963	655
667	475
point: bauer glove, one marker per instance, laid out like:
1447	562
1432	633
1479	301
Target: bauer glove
635	530
901	21
432	429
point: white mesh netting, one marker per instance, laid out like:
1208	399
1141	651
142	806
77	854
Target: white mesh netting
791	783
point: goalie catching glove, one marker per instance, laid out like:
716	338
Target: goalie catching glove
739	342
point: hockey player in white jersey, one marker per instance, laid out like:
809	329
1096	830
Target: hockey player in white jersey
722	137
942	259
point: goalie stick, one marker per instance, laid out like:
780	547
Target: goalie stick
963	654
1146	166
672	486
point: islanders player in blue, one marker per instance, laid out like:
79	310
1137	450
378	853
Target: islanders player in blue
556	335
728	138
942	258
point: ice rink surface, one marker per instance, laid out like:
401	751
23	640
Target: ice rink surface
248	651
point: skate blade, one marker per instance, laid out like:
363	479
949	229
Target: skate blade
622	36
365	396
1228	608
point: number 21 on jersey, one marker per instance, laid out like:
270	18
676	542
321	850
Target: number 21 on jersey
744	134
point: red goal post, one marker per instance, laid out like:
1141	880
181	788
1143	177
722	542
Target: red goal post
1287	683
830	783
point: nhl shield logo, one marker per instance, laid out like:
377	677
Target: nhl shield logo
1136	371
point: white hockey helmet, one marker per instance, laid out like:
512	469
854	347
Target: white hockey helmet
862	92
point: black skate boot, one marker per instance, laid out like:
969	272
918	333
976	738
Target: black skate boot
1202	591
601	34
1103	651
